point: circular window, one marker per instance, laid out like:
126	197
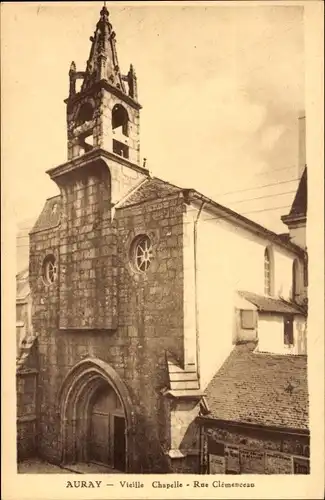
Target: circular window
142	253
49	270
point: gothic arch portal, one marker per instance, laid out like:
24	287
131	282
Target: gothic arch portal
78	390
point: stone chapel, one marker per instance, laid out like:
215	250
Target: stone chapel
136	290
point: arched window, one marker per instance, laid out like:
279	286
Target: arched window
268	272
295	278
120	118
85	114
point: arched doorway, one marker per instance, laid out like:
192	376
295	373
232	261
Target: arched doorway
106	429
96	416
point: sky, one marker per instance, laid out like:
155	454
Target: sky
222	87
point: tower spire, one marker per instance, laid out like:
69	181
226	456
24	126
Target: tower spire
103	63
105	112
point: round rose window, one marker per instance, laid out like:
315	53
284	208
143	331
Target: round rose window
142	253
49	270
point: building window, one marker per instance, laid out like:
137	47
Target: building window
288	330
294	279
295	270
268	272
85	113
248	320
120	149
120	119
300	466
120	126
142	253
49	270
306	270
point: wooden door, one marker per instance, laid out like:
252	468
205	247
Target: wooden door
119	443
107	430
99	431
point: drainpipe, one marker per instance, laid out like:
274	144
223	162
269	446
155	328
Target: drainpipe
196	293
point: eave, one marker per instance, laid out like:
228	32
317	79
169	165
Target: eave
107	86
93	155
191	195
292	219
215	422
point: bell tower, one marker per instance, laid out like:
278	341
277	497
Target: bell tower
105	112
102	168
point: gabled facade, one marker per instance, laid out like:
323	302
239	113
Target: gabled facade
133	280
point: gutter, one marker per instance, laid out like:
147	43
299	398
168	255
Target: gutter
196	293
214	422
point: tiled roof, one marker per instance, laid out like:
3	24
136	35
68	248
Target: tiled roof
261	389
150	190
270	304
50	215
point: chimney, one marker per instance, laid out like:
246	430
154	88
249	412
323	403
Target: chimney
301	144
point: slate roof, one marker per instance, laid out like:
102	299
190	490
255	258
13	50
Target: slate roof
50	215
270	304
22	284
299	205
260	389
150	190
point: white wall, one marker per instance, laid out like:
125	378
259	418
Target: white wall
298	234
228	258
271	335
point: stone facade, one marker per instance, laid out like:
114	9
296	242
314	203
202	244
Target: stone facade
103	308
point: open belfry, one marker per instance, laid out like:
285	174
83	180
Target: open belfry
146	308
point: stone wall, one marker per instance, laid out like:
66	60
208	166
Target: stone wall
254	451
87	252
141	320
27	408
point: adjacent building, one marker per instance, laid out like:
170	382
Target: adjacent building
255	419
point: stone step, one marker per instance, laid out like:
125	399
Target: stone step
90	468
192	384
178	377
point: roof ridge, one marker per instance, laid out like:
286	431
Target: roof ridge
131	192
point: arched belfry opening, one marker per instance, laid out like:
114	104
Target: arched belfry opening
120	127
96	416
85	114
